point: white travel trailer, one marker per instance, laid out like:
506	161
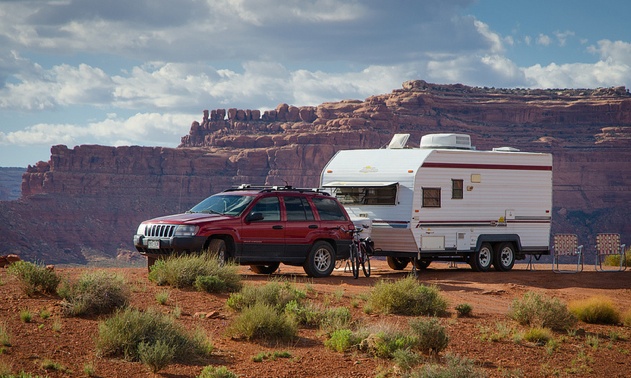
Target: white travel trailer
447	201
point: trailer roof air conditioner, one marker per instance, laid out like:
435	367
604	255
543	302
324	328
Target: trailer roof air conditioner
452	141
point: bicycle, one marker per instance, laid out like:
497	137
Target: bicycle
360	251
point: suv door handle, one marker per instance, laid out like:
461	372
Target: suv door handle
277	227
313	226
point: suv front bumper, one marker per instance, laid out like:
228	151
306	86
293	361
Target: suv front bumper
148	245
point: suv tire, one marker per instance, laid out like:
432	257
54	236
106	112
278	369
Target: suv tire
321	260
265	269
217	248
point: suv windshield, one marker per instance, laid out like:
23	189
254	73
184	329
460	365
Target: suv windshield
225	204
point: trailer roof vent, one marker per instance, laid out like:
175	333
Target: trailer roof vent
505	149
452	141
398	141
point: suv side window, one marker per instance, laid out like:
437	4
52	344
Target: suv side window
298	209
328	209
269	207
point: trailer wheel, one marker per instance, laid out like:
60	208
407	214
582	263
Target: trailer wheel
422	264
482	259
504	257
397	263
265	269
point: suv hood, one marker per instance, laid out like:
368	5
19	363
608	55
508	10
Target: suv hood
189	218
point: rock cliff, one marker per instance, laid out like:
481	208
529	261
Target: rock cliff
93	197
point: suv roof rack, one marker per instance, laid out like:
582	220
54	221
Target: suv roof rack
276	188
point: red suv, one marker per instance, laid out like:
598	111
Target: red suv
256	226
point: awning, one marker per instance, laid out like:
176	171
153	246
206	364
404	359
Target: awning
357	184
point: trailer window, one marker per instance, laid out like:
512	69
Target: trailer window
368	195
456	189
431	197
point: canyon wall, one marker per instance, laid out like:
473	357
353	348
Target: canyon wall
91	198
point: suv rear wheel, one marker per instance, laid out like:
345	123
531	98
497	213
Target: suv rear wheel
321	260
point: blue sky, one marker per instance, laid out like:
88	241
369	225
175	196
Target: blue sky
138	72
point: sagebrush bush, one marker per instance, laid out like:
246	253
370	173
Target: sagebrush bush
217	372
535	310
263	322
384	342
5	336
407	297
97	292
34	278
596	310
274	294
342	340
455	366
464	309
122	334
183	271
156	355
538	335
626	318
614	260
430	334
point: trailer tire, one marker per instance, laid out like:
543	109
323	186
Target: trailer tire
265	269
397	263
422	264
482	259
504	257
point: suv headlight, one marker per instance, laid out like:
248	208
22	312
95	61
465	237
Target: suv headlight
141	229
186	230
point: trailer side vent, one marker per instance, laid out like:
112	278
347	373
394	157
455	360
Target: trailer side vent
451	141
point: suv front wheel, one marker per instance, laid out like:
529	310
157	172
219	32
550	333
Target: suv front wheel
321	260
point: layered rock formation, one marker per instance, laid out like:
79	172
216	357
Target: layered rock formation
93	197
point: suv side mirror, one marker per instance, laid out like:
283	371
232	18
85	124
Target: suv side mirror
253	217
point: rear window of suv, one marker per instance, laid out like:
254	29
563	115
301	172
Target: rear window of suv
328	209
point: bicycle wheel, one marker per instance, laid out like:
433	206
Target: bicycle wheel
354	260
365	260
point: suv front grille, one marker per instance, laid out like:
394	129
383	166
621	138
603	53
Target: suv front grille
160	230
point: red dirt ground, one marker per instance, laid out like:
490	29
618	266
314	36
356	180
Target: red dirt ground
490	294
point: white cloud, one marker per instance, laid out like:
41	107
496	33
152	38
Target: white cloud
544	40
563	36
613	69
141	129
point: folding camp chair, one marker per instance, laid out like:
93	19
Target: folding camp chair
566	246
609	245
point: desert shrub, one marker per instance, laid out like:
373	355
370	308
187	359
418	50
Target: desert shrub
156	355
455	366
464	309
614	260
274	294
597	310
535	310
407	297
183	271
210	284
5	335
626	318
335	318
98	292
262	356
163	297
122	334
406	359
342	340
34	278
384	340
216	372
262	321
430	335
538	335
308	315
26	315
